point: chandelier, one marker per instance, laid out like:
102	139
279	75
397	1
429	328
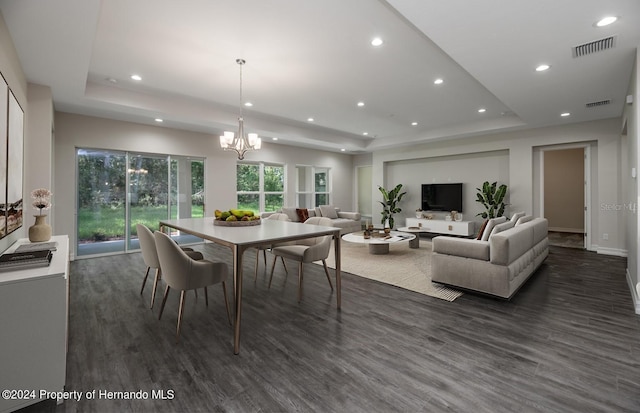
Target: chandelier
240	143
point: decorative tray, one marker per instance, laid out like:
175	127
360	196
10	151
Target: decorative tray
376	234
237	223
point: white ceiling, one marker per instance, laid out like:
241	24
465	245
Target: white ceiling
314	59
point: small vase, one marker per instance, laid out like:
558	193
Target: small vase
40	231
387	227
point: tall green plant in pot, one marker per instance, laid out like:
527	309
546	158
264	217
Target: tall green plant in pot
491	196
390	202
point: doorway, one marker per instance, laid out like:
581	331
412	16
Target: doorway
565	195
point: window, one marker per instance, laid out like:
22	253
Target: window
260	187
313	186
117	190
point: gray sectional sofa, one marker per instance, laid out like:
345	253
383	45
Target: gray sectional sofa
346	221
498	265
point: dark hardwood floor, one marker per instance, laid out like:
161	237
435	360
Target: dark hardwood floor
569	341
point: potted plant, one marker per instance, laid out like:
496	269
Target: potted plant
390	202
491	196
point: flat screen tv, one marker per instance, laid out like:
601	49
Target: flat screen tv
442	197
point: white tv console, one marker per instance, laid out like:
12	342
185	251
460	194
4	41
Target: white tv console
441	226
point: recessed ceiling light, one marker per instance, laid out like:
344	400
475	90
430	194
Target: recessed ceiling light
275	139
159	120
136	77
310	119
376	42
565	114
365	133
542	68
248	104
342	150
360	104
112	80
606	21
414	123
482	110
438	81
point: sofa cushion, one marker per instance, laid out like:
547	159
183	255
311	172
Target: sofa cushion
524	219
354	216
508	245
502	227
540	229
492	223
292	214
517	216
303	214
463	247
317	211
344	223
328	211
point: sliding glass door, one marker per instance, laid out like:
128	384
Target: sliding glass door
148	193
117	190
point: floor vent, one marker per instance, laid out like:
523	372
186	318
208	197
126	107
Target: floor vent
594	47
599	103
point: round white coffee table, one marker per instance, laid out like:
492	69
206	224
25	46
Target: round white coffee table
414	243
379	244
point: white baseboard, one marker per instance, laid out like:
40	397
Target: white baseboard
570	230
611	251
634	292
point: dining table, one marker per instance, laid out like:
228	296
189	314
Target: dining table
243	237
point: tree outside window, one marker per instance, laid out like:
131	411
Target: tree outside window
260	187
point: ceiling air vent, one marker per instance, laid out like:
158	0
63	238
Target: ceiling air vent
594	47
597	104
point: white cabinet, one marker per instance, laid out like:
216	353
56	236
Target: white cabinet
440	226
33	329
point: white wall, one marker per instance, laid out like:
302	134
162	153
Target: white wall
521	147
469	169
76	131
11	70
631	118
38	147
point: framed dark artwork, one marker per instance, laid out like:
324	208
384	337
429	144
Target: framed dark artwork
4	114
11	161
14	162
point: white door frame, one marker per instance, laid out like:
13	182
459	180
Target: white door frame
587	185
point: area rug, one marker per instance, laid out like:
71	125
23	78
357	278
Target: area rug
403	267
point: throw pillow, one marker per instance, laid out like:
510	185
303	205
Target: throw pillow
303	214
517	216
492	223
328	211
484	225
502	227
524	219
291	213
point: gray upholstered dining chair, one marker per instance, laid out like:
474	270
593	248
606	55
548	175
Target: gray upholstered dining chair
150	257
183	273
305	251
278	217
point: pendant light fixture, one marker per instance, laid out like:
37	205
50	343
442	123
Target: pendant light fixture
240	143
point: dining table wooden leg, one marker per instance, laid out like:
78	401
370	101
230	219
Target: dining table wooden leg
237	289
337	253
